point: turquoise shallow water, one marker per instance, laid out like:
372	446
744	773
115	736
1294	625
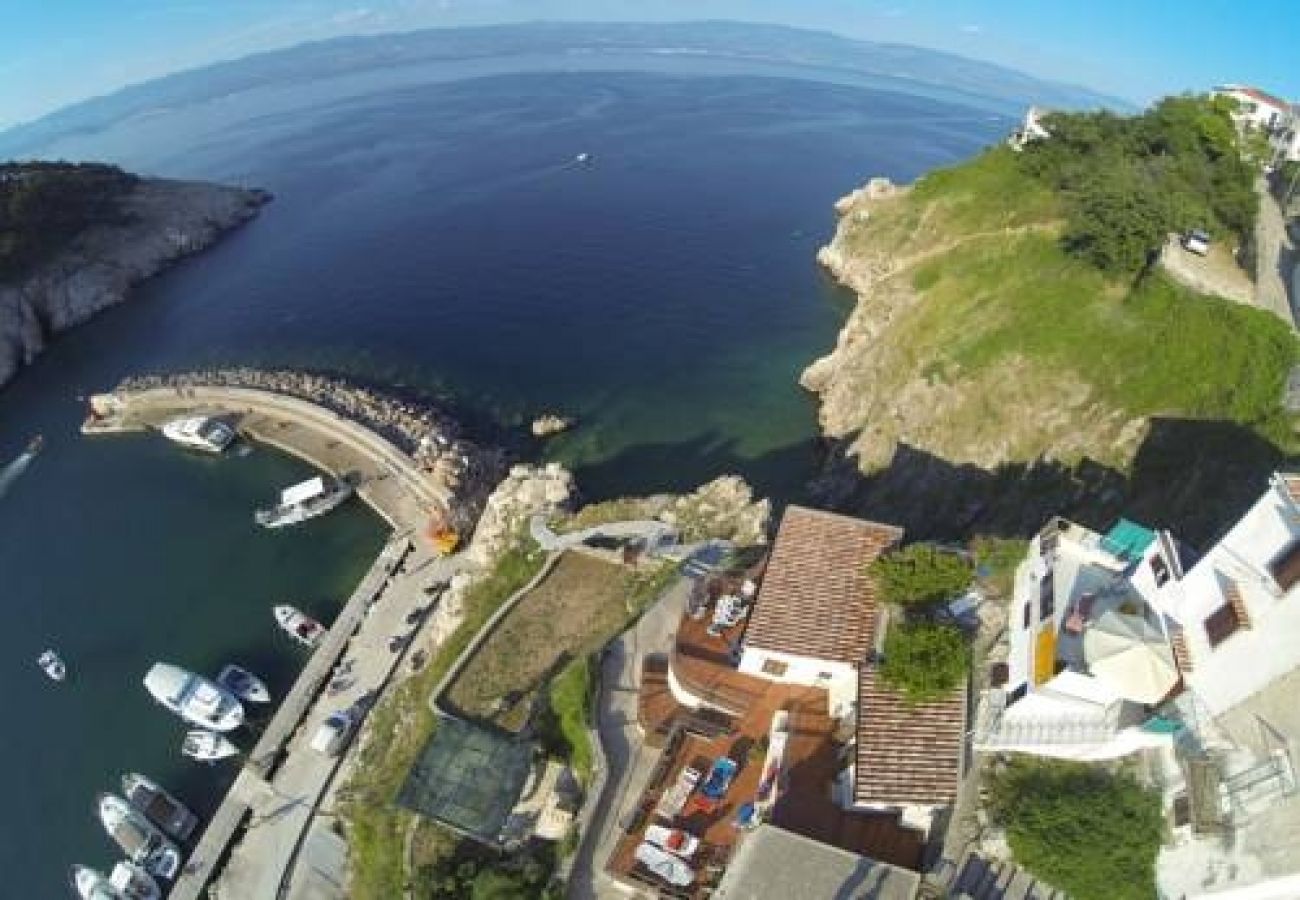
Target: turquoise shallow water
441	236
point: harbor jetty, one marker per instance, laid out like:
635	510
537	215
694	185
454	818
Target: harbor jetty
410	463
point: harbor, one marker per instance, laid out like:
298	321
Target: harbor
424	485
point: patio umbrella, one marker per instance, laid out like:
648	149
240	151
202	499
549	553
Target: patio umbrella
1130	656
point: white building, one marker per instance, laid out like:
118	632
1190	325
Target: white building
1286	137
1255	108
1031	129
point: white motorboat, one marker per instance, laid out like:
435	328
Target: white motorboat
207	746
52	665
158	806
142	843
134	882
243	684
194	698
92	885
307	500
301	627
582	158
200	433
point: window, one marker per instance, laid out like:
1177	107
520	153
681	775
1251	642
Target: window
1160	570
1221	624
1046	600
823	676
773	667
1027	608
1286	567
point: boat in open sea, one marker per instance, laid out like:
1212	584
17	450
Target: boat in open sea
142	843
52	665
300	626
158	806
194	698
207	746
205	433
243	684
306	500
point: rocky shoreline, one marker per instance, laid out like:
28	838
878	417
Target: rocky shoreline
163	221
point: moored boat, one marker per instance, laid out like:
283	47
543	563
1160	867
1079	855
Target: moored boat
300	626
207	746
243	684
158	806
307	500
133	882
35	445
52	665
199	433
194	698
140	841
92	885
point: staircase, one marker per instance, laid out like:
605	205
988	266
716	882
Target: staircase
983	879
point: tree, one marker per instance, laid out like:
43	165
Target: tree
1092	833
924	660
920	575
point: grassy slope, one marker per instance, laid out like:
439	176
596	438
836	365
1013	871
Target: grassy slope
998	305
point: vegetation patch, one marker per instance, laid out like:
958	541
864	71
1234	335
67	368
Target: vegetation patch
924	660
577	608
564	726
920	575
400	726
1089	832
996	560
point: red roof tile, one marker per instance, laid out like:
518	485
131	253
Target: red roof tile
816	599
907	753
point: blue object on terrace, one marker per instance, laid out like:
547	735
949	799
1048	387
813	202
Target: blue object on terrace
1161	725
719	780
1128	540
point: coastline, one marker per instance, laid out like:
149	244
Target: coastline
164	221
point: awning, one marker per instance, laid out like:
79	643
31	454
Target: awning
1128	540
1130	656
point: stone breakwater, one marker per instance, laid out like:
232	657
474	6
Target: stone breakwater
426	433
162	222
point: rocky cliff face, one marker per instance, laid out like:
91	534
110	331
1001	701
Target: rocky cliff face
165	220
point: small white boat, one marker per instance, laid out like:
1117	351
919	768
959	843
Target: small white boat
142	843
243	684
52	665
199	433
133	882
92	885
158	806
307	500
582	158
300	626
207	746
194	698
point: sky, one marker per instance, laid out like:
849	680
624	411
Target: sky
55	52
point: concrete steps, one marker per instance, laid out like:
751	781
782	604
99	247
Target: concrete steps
982	879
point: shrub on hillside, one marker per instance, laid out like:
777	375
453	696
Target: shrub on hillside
1082	829
920	575
924	660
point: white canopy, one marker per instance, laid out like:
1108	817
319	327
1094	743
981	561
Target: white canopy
313	487
1131	656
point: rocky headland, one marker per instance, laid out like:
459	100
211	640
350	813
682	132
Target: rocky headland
161	221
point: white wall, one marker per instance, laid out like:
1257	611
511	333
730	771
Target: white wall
842	685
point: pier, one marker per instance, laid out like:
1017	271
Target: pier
249	846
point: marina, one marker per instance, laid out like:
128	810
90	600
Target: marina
432	496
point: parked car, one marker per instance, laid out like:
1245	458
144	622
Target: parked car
332	735
1197	241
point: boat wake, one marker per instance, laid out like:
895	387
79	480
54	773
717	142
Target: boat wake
12	472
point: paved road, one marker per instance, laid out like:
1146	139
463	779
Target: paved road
629	761
1275	262
260	862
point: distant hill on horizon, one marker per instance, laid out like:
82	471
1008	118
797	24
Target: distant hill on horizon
812	52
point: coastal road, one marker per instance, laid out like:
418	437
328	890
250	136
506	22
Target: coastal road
281	815
629	762
1275	258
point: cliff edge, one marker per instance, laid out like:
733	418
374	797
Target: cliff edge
160	222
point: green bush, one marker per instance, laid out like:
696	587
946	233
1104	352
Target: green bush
920	575
924	660
1089	832
565	722
997	559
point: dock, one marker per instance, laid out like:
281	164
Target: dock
252	788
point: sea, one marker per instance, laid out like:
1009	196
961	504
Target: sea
431	229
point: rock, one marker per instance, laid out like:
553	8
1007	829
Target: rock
722	508
525	492
549	424
164	221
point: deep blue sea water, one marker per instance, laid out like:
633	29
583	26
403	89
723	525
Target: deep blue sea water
436	233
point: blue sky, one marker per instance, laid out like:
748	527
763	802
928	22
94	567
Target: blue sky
54	52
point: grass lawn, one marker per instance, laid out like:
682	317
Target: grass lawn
576	609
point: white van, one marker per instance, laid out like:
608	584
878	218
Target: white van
332	735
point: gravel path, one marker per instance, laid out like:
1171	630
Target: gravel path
1275	258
